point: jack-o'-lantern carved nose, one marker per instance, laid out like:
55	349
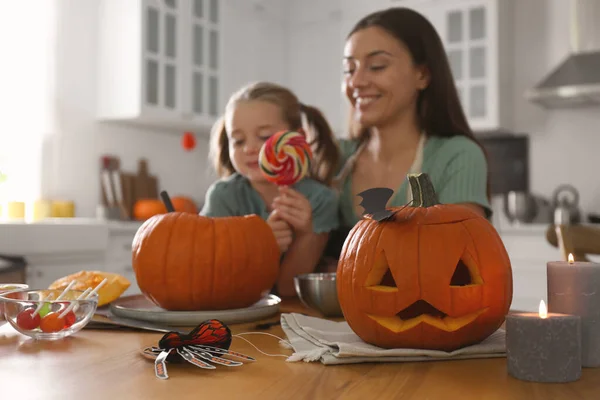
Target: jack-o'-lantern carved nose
418	308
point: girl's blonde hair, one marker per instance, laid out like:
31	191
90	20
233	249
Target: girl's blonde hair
319	135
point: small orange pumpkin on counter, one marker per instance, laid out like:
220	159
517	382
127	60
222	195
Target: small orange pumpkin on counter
146	208
188	262
431	276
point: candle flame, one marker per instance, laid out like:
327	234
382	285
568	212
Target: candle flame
543	310
571	258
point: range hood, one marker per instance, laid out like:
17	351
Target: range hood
575	83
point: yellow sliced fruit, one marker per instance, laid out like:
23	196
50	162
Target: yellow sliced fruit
112	289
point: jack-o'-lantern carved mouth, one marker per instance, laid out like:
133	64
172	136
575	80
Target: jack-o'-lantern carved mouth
381	279
401	322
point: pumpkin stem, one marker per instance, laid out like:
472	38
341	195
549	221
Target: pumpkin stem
423	193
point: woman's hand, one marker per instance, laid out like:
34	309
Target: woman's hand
295	209
281	230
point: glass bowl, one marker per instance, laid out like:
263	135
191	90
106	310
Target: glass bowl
7	288
50	323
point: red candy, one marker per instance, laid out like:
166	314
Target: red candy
70	319
52	323
26	321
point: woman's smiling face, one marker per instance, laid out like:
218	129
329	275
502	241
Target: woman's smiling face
381	80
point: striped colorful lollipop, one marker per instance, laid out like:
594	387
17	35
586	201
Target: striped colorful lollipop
285	158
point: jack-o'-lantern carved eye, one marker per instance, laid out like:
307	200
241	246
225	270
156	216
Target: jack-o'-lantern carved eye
381	278
462	275
466	272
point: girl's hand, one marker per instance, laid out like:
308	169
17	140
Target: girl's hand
295	209
281	230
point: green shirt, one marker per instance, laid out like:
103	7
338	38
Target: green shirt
457	168
235	196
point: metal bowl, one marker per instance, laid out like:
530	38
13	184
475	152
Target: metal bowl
520	207
318	291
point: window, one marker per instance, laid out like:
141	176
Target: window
27	40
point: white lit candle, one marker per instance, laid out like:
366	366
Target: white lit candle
574	288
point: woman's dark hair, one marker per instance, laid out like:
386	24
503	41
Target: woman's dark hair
438	105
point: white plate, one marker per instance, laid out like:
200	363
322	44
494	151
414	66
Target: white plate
140	308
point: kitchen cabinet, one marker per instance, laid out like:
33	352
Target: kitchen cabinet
529	252
478	36
42	270
118	254
159	63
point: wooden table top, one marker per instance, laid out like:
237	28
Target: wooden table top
103	364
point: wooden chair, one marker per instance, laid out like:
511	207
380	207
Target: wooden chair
579	240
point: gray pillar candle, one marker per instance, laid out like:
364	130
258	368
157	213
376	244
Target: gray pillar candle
574	288
543	349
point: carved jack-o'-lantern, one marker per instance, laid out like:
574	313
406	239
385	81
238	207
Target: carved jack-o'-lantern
430	276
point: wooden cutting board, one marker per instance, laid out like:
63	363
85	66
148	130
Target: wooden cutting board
128	181
145	185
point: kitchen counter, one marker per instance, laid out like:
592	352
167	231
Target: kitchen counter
99	364
60	235
528	229
54	248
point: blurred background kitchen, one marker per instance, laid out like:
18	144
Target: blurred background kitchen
85	80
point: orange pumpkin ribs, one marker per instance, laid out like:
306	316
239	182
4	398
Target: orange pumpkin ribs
187	262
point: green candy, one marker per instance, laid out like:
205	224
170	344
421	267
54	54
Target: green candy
46	308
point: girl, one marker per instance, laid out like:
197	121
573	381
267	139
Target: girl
301	216
408	118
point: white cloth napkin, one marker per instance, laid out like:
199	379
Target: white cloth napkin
317	339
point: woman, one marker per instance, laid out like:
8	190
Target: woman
407	118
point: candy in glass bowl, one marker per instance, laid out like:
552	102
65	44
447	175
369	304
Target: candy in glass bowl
49	314
6	288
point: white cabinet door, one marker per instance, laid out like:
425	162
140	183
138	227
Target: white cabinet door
158	63
202	60
42	271
162	52
467	33
118	258
477	36
529	252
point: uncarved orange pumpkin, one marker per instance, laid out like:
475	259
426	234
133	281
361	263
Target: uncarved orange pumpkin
146	208
188	262
433	276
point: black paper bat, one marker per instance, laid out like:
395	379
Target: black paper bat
374	201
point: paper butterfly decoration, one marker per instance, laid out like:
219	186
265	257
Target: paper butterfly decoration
204	346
